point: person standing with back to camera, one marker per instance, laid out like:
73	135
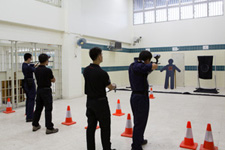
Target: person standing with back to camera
96	81
138	74
29	85
44	77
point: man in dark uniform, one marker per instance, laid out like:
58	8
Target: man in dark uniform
96	81
44	77
138	73
29	86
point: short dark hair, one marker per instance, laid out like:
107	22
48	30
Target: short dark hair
43	57
95	52
27	56
145	55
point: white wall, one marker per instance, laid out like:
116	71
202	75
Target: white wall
109	19
33	13
16	32
182	33
71	68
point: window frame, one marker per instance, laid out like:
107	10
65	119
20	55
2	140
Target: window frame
193	3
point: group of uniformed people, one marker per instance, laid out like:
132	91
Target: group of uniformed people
96	80
43	95
97	107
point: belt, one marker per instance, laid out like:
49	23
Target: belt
101	98
44	88
140	92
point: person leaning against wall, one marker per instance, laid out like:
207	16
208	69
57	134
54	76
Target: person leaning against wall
44	77
96	81
138	74
29	86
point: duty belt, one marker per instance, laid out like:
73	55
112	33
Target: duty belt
140	92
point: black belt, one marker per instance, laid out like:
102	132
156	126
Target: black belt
97	98
140	92
44	88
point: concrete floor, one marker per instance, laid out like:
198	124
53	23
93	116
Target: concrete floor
165	130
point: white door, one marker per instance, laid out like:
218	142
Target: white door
178	60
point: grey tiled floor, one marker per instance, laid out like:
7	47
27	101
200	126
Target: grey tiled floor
165	130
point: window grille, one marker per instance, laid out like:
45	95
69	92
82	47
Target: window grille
151	11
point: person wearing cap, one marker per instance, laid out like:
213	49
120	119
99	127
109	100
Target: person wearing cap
138	73
96	81
44	77
29	86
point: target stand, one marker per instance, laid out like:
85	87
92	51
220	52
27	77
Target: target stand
205	69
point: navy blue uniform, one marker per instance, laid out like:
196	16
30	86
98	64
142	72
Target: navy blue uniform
30	89
138	73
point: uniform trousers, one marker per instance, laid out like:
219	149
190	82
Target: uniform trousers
140	109
98	111
44	99
30	95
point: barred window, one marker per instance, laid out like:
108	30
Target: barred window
152	11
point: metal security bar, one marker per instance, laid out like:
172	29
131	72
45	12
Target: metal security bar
57	3
11	59
152	11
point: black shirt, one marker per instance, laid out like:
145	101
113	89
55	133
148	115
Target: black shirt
43	76
96	80
28	70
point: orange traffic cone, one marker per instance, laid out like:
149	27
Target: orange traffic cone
118	109
128	130
96	127
208	143
188	140
151	96
69	120
9	107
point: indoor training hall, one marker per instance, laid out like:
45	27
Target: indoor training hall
186	92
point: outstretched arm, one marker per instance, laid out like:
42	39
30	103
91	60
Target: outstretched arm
177	68
164	68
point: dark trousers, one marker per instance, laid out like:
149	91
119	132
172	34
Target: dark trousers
43	99
30	94
98	110
140	109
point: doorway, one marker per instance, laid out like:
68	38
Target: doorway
178	59
12	58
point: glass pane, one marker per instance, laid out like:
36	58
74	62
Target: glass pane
173	2
200	10
149	4
187	12
160	3
199	1
215	8
138	5
173	13
185	1
149	17
161	15
138	18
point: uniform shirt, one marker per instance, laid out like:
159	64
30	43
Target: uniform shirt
96	80
43	76
28	70
138	73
